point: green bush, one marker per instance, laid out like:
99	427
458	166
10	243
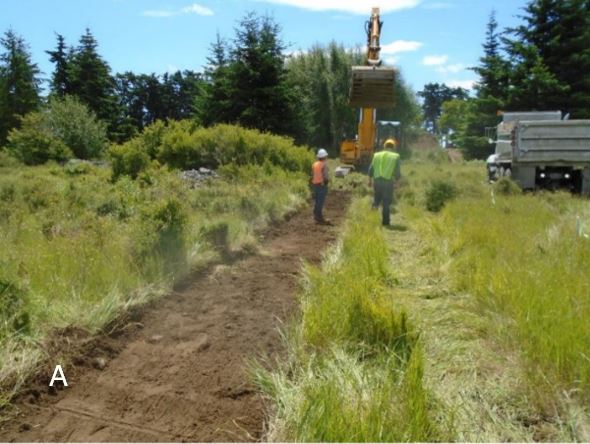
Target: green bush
184	146
35	143
129	159
77	127
507	187
438	194
151	137
64	129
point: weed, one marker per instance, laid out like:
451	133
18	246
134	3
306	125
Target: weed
439	193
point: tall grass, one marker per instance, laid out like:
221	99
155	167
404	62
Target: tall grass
354	370
521	257
76	249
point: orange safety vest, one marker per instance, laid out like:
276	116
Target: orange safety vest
317	173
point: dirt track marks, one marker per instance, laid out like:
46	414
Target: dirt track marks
181	377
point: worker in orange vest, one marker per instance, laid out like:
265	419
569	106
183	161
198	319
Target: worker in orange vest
319	181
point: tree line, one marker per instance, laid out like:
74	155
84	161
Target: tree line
250	79
126	102
542	64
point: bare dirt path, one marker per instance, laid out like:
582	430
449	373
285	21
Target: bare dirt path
177	373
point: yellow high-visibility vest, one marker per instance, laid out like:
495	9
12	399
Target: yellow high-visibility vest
384	163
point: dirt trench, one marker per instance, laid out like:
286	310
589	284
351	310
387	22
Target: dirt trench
177	371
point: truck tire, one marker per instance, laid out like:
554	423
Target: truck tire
586	182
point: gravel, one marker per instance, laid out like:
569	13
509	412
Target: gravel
198	177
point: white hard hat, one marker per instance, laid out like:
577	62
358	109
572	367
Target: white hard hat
322	154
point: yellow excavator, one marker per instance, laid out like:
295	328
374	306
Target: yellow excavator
372	87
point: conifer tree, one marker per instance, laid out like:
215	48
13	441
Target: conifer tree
90	79
19	83
493	68
60	84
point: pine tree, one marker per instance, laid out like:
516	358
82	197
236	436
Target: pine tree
493	69
90	80
60	84
19	83
261	96
569	58
550	56
214	104
492	94
534	86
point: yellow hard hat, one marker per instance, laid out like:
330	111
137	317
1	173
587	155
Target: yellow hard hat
389	143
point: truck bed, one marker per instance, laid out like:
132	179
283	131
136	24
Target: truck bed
559	141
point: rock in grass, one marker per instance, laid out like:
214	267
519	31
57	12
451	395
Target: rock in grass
99	363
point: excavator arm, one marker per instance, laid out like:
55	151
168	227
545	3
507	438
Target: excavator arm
372	85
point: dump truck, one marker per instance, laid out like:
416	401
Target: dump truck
542	150
372	87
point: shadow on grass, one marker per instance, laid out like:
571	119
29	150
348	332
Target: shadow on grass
396	227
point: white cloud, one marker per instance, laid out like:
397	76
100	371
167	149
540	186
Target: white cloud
400	46
435	60
451	69
195	8
467	84
390	60
362	7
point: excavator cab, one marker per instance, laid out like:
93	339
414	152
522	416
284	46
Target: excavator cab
388	129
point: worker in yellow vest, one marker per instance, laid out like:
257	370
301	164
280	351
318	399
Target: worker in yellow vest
319	181
383	172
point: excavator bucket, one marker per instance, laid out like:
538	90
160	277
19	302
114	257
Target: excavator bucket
372	87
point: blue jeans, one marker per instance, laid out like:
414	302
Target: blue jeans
383	196
319	194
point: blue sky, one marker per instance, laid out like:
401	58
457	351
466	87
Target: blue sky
430	40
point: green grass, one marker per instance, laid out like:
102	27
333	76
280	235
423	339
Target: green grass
510	273
77	249
521	257
354	370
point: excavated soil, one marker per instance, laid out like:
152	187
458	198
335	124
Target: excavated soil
176	370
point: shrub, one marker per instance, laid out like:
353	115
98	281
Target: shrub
152	137
34	142
64	129
507	186
438	194
184	146
77	127
129	159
